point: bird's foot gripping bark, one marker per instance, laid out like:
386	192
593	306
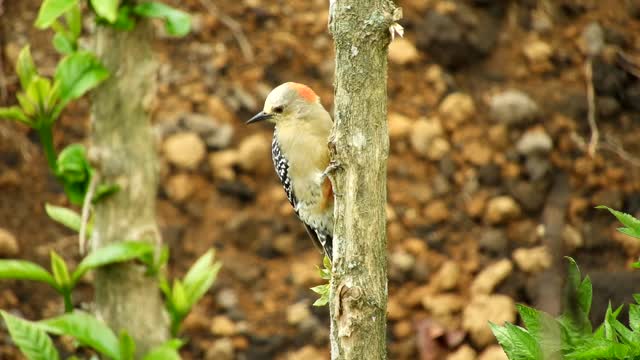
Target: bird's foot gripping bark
333	166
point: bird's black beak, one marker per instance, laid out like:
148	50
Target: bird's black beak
261	116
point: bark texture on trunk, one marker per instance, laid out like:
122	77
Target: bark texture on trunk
360	146
123	151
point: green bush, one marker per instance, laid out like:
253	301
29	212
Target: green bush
570	336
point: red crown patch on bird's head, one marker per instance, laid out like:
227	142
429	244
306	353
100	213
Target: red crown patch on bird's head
304	91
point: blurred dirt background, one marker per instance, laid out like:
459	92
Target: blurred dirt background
490	180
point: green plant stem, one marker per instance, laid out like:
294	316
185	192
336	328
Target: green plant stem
68	305
176	322
46	138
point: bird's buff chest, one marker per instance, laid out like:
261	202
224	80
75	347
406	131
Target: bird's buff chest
304	156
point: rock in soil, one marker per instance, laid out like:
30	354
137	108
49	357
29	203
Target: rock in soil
402	52
298	313
185	150
254	154
494	241
465	352
306	353
513	107
532	260
455	34
223	326
443	304
456	109
491	276
501	209
447	277
484	308
222	349
8	244
493	352
534	141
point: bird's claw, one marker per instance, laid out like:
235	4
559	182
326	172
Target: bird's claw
333	166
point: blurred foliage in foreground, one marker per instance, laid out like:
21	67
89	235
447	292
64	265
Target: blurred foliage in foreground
571	336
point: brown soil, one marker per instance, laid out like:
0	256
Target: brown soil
437	203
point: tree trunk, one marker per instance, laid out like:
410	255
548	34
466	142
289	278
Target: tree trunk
124	153
360	146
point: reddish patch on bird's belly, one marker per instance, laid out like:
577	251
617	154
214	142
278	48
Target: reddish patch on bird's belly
327	194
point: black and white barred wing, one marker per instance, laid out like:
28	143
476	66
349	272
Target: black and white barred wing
321	239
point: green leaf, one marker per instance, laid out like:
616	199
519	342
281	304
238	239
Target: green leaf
502	335
166	351
624	334
125	20
573	274
320	289
200	277
73	164
544	329
34	343
25	270
321	301
325	272
62	44
161	260
114	253
60	271
577	302
632	225
629	232
323	290
25	68
326	262
609	322
64	216
179	298
164	286
16	114
28	106
634	317
127	347
87	330
597	349
38	92
517	342
530	318
74	172
74	21
78	73
599	333
177	23
103	191
584	295
50	10
152	260
106	9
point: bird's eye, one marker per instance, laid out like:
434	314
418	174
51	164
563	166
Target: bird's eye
278	109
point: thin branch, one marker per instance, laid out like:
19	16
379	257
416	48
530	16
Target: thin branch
629	64
234	26
591	97
610	144
613	145
86	207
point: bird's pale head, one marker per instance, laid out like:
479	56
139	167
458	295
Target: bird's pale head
288	101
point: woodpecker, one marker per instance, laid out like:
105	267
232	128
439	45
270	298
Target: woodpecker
301	156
